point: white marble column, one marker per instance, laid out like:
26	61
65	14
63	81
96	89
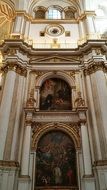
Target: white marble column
102	95
6	108
81	29
19	26
90	26
93	118
32	169
80	168
26	150
24	179
27	28
14	146
86	150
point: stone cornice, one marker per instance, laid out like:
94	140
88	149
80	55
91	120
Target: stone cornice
14	67
100	163
69	116
30	51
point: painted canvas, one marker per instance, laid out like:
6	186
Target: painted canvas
56	160
55	94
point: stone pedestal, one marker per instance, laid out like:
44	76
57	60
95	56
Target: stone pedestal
24	183
8	175
100	170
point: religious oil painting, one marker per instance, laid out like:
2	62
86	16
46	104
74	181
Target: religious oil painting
55	95
56	160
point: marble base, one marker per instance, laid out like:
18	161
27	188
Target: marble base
89	183
8	177
56	188
100	170
24	183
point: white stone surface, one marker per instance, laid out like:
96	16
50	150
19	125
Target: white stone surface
26	151
86	150
6	108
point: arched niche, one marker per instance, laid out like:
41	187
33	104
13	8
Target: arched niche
56	160
40	12
55	95
69	80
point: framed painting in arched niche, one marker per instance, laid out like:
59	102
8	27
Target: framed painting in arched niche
55	161
55	94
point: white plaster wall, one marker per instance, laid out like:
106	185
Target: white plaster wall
101	25
35	29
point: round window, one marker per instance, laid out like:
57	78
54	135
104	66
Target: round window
54	30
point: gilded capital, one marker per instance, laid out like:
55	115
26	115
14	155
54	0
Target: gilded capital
14	67
95	66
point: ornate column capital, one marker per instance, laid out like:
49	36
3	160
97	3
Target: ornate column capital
86	14
95	66
14	66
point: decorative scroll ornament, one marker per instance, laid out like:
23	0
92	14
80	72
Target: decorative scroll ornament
30	102
79	102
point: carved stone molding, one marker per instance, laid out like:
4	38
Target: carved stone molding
79	102
72	117
95	67
39	73
24	177
40	129
9	163
30	101
14	67
100	163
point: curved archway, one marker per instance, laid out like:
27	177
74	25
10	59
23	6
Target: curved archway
56	146
58	74
33	4
72	130
56	160
54	74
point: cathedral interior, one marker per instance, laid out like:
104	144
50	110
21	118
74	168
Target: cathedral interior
53	95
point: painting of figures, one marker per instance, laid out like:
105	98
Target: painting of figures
56	160
55	95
